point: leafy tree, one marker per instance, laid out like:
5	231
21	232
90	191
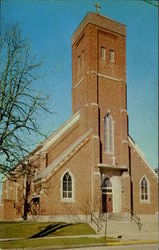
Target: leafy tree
19	104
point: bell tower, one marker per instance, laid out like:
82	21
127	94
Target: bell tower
99	83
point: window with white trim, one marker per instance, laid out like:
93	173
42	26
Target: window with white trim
102	53
67	186
144	189
111	55
109	134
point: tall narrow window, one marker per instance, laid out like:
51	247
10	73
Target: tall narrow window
111	55
102	53
67	186
144	189
108	134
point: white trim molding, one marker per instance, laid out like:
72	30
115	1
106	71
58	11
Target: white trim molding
110	77
78	83
141	154
63	157
94	104
123	110
95	136
106	76
124	141
96	173
59	132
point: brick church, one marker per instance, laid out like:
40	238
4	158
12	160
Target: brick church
90	163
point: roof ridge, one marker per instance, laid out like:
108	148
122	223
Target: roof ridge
139	151
47	172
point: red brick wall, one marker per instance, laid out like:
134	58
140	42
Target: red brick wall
80	167
139	169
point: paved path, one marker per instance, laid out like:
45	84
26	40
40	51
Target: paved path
148	246
57	237
132	247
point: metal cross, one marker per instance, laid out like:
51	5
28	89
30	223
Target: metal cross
97	5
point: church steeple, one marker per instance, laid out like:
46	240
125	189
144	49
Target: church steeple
98	50
99	79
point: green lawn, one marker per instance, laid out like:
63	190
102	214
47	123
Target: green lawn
74	229
28	229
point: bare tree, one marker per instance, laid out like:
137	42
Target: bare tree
26	172
19	105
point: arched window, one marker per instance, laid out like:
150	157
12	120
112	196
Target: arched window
106	186
108	134
67	186
144	189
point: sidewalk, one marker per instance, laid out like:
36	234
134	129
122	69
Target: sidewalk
57	237
116	242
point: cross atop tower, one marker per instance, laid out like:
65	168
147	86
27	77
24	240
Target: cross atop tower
98	7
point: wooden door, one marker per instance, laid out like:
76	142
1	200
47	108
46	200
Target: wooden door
109	207
107	203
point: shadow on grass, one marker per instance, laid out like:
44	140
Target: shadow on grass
49	229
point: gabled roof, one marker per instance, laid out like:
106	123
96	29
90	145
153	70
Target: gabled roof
141	154
44	145
60	131
64	157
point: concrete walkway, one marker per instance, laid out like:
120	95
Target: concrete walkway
132	247
135	246
119	242
57	237
137	237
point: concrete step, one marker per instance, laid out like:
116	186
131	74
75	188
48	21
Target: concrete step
118	217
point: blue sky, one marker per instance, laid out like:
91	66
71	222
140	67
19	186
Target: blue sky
49	25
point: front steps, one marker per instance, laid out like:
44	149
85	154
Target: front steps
124	227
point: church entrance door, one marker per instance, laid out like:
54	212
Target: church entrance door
107	201
107	205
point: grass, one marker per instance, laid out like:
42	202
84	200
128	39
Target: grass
74	229
20	229
27	229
